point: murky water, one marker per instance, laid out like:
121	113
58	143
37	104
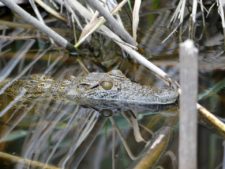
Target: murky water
55	133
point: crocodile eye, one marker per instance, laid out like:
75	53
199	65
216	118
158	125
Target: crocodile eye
107	85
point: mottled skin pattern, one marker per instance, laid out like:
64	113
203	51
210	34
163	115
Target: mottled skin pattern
97	90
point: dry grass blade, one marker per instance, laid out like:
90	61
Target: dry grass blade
36	11
50	10
135	20
220	4
179	12
4	73
95	23
194	10
39	25
202	11
193	15
76	6
85	145
115	26
89	29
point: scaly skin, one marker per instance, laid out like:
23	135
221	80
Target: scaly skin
97	90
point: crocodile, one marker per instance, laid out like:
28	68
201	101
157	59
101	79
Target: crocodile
97	90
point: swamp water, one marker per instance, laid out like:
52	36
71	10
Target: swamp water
54	134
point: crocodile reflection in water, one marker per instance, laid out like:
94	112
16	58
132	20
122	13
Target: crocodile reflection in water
112	90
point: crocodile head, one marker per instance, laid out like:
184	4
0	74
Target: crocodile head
114	88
